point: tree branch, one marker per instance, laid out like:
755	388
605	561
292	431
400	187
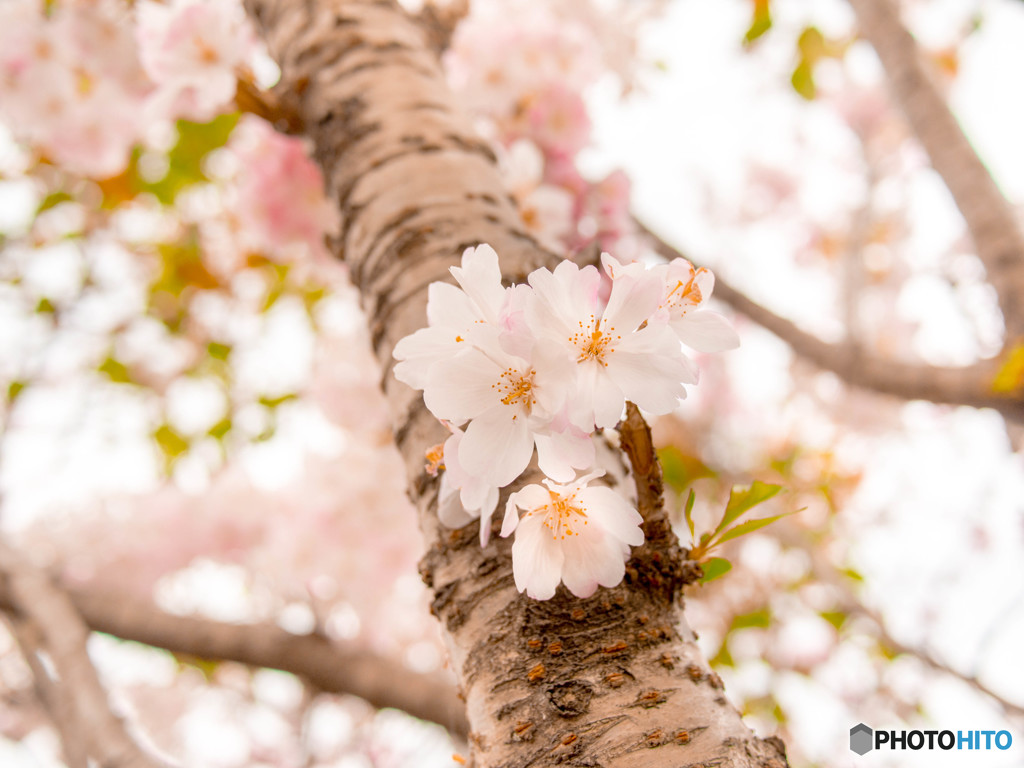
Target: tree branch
329	666
970	385
52	637
990	220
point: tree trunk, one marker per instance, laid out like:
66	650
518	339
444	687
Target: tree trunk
615	680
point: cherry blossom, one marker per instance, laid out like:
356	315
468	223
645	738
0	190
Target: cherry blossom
683	305
279	192
191	50
574	533
619	352
71	84
505	399
464	497
541	366
455	314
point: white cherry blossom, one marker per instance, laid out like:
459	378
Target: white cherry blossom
506	400
540	366
619	353
683	304
575	533
455	314
464	497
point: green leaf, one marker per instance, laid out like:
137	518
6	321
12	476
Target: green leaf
52	200
679	470
835	618
185	159
850	573
274	402
812	45
45	307
723	658
760	21
749	527
687	512
760	618
714	568
171	443
116	371
803	80
221	428
218	351
742	500
14	389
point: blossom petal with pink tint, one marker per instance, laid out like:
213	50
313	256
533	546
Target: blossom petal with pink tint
706	331
571	533
497	447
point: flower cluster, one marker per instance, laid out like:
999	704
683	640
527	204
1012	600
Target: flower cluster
523	70
543	366
84	82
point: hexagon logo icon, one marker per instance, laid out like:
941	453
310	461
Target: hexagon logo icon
861	738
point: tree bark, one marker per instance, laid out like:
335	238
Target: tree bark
996	235
615	680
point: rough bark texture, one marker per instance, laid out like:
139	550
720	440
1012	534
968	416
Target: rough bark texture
615	680
997	238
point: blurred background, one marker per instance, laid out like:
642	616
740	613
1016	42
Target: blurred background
192	423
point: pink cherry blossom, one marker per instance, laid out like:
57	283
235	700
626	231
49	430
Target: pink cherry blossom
574	533
192	51
71	84
279	192
557	120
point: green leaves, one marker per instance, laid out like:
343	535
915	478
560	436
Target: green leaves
115	370
741	501
760	21
679	470
171	443
713	568
185	160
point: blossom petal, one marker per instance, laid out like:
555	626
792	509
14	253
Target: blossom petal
536	559
706	331
591	558
418	351
604	396
496	447
450	307
461	388
480	278
613	514
450	510
560	454
633	299
529	497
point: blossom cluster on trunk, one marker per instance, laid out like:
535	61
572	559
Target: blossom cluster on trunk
543	366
